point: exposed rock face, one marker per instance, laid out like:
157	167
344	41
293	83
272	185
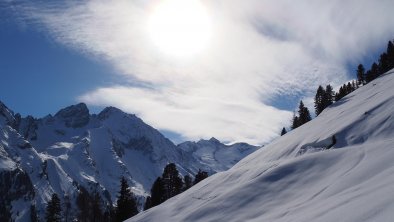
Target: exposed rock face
6	115
27	128
14	185
75	116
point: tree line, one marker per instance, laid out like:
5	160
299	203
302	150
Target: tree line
325	96
91	207
171	184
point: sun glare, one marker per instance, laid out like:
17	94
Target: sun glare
180	27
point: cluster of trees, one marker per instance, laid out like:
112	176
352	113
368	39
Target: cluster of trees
383	65
171	184
325	96
303	116
90	207
346	89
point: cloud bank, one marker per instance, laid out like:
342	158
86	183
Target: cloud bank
260	50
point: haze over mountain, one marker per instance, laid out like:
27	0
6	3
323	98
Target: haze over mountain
74	150
337	167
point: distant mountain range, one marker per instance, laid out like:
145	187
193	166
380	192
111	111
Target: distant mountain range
74	150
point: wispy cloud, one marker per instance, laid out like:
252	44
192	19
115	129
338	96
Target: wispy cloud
260	49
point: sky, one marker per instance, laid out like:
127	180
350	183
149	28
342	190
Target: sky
230	69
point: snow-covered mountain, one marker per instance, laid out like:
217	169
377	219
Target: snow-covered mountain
74	150
216	156
338	167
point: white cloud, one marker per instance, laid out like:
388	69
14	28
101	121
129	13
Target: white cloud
260	49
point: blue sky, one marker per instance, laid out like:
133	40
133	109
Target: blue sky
41	76
243	86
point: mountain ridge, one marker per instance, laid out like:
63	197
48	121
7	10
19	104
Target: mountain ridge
74	150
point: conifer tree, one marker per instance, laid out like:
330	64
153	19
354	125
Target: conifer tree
295	122
201	175
373	73
53	209
157	193
33	213
390	55
97	214
320	100
383	64
361	74
84	205
303	113
283	131
349	88
172	181
329	94
126	205
187	182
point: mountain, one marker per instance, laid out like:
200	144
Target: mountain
337	167
215	155
74	152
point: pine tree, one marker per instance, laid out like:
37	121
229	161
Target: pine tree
349	88
295	122
361	74
157	193
53	210
84	205
33	213
320	98
383	64
187	182
126	205
329	95
373	73
303	113
390	55
172	181
283	132
201	175
97	214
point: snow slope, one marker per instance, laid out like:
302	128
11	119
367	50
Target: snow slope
295	178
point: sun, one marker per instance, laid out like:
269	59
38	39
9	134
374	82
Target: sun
180	27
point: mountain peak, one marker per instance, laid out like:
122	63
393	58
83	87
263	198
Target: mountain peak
214	140
110	110
75	116
6	113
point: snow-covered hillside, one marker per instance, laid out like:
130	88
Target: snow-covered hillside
75	150
296	178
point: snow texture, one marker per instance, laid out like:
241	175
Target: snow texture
303	175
